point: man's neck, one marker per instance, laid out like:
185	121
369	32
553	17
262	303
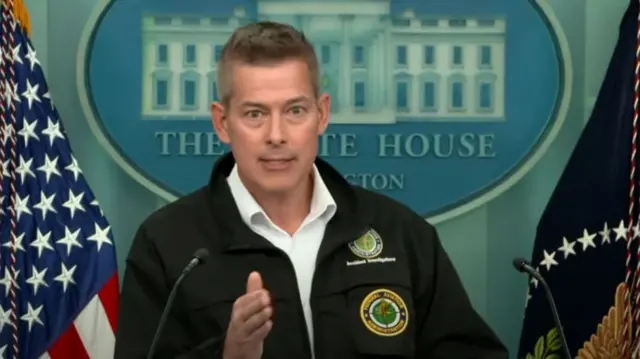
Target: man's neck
287	210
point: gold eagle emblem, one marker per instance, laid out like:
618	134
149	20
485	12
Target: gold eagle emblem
607	342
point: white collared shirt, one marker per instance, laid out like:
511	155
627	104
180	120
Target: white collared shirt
302	247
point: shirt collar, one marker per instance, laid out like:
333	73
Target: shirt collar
322	203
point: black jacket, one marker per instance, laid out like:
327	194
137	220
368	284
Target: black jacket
426	305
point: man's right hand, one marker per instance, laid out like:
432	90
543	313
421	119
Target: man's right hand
250	322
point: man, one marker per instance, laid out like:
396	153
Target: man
302	264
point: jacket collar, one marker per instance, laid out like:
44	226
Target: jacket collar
349	221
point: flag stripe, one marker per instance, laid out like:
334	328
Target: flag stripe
94	329
68	346
109	297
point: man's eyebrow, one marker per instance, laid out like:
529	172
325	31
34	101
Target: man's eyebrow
297	100
294	100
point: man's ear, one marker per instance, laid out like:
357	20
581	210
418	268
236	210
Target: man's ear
324	106
220	121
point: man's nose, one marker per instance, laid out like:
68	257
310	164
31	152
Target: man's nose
277	129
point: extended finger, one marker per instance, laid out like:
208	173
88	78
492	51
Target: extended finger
261	333
256	322
250	304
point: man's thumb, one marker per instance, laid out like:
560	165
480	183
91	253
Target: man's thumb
254	282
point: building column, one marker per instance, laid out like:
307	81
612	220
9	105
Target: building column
388	66
346	49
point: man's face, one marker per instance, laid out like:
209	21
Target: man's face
272	123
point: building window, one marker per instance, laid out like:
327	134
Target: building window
162	55
359	95
429	91
429	95
456	56
486	96
402	96
486	88
189	55
398	22
325	54
358	55
189	90
429	55
429	22
401	56
161	90
458	22
485	56
217	53
457	93
403	83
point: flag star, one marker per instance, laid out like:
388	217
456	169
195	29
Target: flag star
53	131
17	243
621	231
37	279
24	169
49	167
604	233
7	133
15	53
5	169
70	239
28	131
31	56
32	316
100	236
41	242
567	247
7	280
636	230
3	349
74	203
93	203
66	276
10	94
5	318
587	240
46	204
534	281
22	206
74	168
31	93
548	260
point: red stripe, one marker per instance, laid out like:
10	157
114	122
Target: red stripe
69	345
109	296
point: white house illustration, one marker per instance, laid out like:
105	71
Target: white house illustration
376	67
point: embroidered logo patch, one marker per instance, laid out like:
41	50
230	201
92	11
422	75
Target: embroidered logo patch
367	246
384	313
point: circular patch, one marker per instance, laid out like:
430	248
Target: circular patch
384	313
367	246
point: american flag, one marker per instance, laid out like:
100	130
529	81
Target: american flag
587	240
58	273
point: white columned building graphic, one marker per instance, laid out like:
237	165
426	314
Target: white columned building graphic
378	68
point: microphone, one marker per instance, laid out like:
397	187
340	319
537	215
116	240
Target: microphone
523	266
199	257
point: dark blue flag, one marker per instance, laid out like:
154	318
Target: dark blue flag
581	244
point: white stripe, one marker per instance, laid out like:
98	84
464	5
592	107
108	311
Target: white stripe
45	356
92	325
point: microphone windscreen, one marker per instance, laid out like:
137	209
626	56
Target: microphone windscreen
202	254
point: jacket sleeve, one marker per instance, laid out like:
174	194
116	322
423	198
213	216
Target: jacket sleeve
144	293
447	324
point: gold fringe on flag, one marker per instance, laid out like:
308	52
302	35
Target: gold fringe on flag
21	13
